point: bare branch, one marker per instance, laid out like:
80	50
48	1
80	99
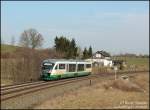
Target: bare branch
31	38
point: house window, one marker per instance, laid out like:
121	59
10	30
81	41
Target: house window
80	67
61	66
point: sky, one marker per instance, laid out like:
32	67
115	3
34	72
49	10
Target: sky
114	26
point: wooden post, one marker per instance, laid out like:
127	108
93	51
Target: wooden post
115	75
90	82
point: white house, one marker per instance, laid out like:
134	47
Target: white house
101	58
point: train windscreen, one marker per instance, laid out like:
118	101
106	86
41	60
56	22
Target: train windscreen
48	66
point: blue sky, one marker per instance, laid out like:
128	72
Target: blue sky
114	26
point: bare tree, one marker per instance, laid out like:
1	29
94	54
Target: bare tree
31	38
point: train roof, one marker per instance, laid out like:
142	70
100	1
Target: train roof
63	60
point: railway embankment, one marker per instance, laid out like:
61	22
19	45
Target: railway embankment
25	96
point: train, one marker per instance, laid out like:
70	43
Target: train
54	69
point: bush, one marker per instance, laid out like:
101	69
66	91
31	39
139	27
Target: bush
25	64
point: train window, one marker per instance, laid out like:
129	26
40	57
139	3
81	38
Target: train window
72	67
88	65
80	67
61	66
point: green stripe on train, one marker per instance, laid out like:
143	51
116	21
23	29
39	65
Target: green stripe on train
66	75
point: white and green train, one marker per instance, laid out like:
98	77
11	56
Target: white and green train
53	69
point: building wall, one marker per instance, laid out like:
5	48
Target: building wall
98	55
104	62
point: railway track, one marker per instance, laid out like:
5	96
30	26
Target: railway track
12	91
19	85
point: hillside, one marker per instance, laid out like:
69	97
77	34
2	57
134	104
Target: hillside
19	64
8	48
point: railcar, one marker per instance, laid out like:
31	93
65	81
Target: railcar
53	69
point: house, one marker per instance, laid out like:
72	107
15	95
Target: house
101	55
101	58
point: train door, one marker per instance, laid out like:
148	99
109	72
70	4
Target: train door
62	68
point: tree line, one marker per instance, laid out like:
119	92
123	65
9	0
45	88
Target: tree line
70	48
33	39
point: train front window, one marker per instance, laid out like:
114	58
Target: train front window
48	66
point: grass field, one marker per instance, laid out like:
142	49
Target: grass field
98	97
135	60
8	48
132	64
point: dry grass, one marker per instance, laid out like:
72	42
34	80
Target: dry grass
23	64
100	69
97	96
124	85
